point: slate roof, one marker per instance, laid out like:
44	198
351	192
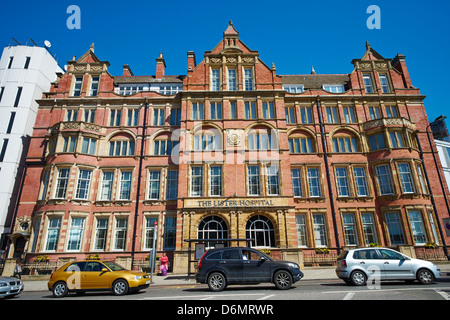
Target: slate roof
148	79
315	81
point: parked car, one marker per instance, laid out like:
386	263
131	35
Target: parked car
221	267
10	286
355	266
94	275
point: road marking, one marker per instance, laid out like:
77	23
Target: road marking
445	295
349	296
385	290
204	296
267	297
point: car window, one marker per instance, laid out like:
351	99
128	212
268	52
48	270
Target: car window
113	266
231	254
391	255
251	255
93	267
365	254
342	255
214	256
76	266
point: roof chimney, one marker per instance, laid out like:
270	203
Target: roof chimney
399	63
191	60
127	71
160	66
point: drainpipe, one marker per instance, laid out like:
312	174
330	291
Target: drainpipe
138	191
330	191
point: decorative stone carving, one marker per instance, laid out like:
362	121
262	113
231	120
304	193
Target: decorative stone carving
234	137
381	65
71	125
96	68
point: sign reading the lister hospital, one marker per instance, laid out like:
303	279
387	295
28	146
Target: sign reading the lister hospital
235	202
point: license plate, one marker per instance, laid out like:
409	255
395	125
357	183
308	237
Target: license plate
147	282
15	288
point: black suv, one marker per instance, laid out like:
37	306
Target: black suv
224	266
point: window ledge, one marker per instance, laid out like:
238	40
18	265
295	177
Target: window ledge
310	199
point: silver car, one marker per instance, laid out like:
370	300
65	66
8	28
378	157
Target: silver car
10	286
356	266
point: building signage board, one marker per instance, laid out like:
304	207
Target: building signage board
235	202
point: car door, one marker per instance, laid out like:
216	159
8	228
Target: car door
369	261
396	265
231	263
74	274
255	267
94	276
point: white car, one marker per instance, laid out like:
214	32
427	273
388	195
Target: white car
355	266
10	286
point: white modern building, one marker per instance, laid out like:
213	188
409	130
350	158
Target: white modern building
443	148
25	73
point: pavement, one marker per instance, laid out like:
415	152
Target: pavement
310	273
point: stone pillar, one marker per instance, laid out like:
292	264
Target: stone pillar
281	229
9	266
124	262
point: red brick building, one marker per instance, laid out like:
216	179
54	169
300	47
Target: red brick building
300	164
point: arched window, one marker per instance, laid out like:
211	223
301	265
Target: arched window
345	142
262	138
121	145
301	142
260	230
212	227
207	139
163	145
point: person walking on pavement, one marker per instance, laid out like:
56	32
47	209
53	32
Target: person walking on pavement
164	264
18	270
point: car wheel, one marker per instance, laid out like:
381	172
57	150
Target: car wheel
60	289
425	276
217	282
283	280
120	287
358	278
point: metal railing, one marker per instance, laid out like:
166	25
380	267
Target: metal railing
39	268
319	259
430	254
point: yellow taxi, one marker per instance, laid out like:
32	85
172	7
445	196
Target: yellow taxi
94	275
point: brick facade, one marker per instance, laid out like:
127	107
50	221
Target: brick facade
235	173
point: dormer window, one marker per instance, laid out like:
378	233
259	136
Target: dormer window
232	80
94	86
170	89
368	83
384	83
248	79
334	88
215	79
294	88
77	86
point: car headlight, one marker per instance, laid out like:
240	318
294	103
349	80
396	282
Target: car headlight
293	265
3	284
137	277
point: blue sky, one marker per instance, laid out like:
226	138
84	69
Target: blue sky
292	34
